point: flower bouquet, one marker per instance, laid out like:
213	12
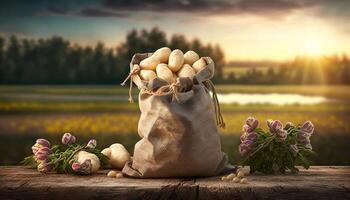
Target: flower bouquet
278	149
67	158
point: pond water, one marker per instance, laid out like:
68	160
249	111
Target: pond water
271	98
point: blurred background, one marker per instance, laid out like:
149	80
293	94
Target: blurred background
62	62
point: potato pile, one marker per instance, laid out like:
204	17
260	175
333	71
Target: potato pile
237	178
168	65
114	174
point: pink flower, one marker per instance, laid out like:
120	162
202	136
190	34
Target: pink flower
43	142
44	167
84	167
68	138
274	125
252	122
42	154
303	138
282	134
246	147
35	148
308	127
91	144
40	143
75	166
252	136
243	137
247	128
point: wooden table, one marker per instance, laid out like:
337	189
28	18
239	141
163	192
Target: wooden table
319	182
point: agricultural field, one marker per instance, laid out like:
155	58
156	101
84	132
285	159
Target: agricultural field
103	113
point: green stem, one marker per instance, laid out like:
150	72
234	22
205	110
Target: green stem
265	144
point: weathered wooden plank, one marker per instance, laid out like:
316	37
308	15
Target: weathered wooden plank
319	182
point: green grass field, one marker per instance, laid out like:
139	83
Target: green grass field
28	112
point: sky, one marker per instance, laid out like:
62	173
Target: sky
245	29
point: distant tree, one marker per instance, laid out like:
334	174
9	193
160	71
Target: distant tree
57	61
219	58
13	55
345	71
179	42
153	39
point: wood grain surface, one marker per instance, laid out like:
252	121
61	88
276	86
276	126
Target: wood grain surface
319	182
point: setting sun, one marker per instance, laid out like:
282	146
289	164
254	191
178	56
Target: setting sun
312	47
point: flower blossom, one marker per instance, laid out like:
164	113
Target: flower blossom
68	138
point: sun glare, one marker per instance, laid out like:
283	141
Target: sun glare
312	47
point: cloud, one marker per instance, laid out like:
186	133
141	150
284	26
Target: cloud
262	8
84	12
119	8
98	12
210	6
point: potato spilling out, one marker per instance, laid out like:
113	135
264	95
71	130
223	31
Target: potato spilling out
117	155
186	71
176	60
191	57
199	65
162	54
147	75
168	65
149	63
165	73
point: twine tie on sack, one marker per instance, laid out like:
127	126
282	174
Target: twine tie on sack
219	119
164	90
136	69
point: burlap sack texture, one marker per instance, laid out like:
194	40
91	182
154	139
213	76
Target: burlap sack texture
178	128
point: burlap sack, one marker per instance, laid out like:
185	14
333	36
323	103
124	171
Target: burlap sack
178	129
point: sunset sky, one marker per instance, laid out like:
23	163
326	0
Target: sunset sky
246	29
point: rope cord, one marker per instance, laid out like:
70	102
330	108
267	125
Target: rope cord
219	119
136	69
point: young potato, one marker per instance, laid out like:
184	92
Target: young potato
191	57
147	75
186	71
112	173
244	180
149	63
162	54
176	60
231	176
165	73
117	155
199	65
236	180
240	174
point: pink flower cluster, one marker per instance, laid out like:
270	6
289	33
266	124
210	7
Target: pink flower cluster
249	136
41	150
68	138
276	127
303	136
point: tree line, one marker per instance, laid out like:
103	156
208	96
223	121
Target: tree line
306	70
57	61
